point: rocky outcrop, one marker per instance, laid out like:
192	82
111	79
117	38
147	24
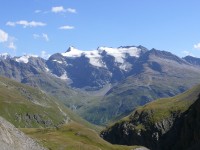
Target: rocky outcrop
13	139
140	130
185	133
165	124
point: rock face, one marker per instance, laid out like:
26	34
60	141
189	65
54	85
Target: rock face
13	139
185	133
140	130
164	124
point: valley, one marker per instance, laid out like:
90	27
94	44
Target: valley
52	99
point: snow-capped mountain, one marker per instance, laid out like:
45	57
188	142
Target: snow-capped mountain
96	68
128	76
4	56
90	70
19	68
24	58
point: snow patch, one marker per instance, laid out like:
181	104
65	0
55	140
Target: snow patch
47	69
120	53
94	57
72	52
25	58
64	76
60	62
4	55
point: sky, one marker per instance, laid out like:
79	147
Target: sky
45	27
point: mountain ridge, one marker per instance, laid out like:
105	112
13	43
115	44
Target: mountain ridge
149	125
124	71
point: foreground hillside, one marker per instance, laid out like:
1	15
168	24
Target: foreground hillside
185	132
148	124
25	106
72	136
12	138
44	119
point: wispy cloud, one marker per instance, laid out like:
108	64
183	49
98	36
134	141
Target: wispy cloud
12	46
25	23
197	46
71	10
9	23
3	36
61	9
7	40
41	36
66	27
44	55
45	36
58	9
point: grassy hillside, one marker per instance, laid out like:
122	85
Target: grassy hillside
25	106
136	91
72	136
147	124
163	108
48	121
73	99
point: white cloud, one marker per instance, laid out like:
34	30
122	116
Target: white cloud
12	46
25	23
3	36
7	40
66	27
71	10
44	55
61	9
58	9
197	46
43	36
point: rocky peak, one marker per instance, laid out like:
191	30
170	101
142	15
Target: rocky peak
192	60
4	56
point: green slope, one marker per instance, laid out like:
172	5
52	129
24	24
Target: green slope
136	91
146	125
72	98
72	136
25	106
49	122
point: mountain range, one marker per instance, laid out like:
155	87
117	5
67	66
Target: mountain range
107	83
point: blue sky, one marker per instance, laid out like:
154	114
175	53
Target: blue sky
44	27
